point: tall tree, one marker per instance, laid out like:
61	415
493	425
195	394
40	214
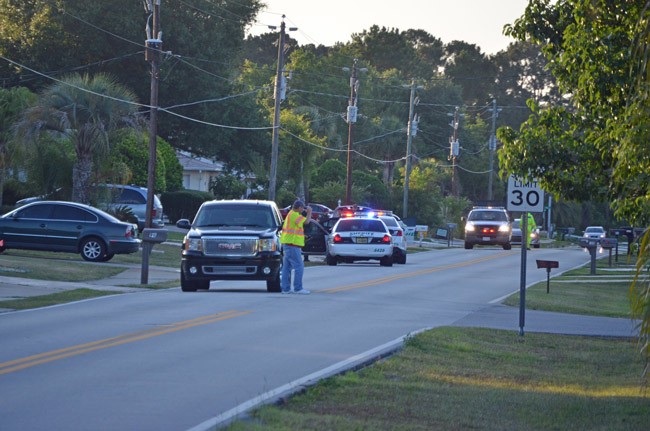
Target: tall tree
83	109
596	144
200	40
12	103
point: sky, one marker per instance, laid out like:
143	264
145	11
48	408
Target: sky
326	22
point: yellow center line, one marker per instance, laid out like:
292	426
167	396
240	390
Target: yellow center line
42	358
387	279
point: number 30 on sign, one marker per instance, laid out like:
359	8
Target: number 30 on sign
524	195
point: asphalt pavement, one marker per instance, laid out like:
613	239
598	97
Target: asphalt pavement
495	316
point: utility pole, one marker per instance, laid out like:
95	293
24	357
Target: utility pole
278	95
351	118
411	131
454	152
152	54
492	146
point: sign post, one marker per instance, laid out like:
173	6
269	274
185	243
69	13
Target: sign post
524	196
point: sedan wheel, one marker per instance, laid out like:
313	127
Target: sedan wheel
93	249
330	260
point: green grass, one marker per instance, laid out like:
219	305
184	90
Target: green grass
470	378
602	299
168	255
53	299
24	264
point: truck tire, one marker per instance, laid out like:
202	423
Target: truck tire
188	285
273	285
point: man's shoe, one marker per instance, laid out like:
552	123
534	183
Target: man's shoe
302	292
286	292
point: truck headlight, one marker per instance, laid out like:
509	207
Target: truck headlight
469	227
192	244
267	244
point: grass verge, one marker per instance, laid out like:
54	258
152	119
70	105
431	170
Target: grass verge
14	263
54	299
471	378
585	297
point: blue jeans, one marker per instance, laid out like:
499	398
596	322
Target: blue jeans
292	261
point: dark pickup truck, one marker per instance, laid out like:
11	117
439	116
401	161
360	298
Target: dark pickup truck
232	240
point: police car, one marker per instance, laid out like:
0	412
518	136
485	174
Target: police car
396	230
357	238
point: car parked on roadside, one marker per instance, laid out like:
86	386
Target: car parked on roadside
67	227
516	234
356	239
114	196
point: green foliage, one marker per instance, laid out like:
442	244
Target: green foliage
596	145
331	170
373	191
76	108
49	165
227	186
183	203
131	150
124	213
331	193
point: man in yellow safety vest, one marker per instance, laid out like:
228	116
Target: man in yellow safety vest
293	240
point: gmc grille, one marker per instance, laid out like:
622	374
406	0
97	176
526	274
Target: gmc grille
230	246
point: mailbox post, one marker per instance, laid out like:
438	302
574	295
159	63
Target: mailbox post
609	244
450	233
150	237
591	245
548	264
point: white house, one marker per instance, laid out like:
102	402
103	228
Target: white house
198	171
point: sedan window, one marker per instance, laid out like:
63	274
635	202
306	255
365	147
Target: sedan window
42	211
65	212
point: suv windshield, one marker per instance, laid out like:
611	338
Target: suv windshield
234	215
487	216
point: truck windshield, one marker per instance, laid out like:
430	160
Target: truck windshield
233	215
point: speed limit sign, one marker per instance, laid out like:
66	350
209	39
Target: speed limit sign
524	195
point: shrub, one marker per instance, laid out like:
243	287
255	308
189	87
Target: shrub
183	203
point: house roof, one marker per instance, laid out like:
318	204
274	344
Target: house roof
195	163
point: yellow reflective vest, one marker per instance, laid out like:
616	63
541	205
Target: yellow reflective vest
292	229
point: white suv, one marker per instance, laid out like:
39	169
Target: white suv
488	226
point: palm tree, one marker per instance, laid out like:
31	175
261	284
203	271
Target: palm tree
83	109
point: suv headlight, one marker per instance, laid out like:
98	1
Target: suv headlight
469	227
504	228
192	244
267	244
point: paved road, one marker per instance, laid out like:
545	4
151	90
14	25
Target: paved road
293	341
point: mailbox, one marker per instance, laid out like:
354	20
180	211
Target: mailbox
608	242
154	236
548	264
589	243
